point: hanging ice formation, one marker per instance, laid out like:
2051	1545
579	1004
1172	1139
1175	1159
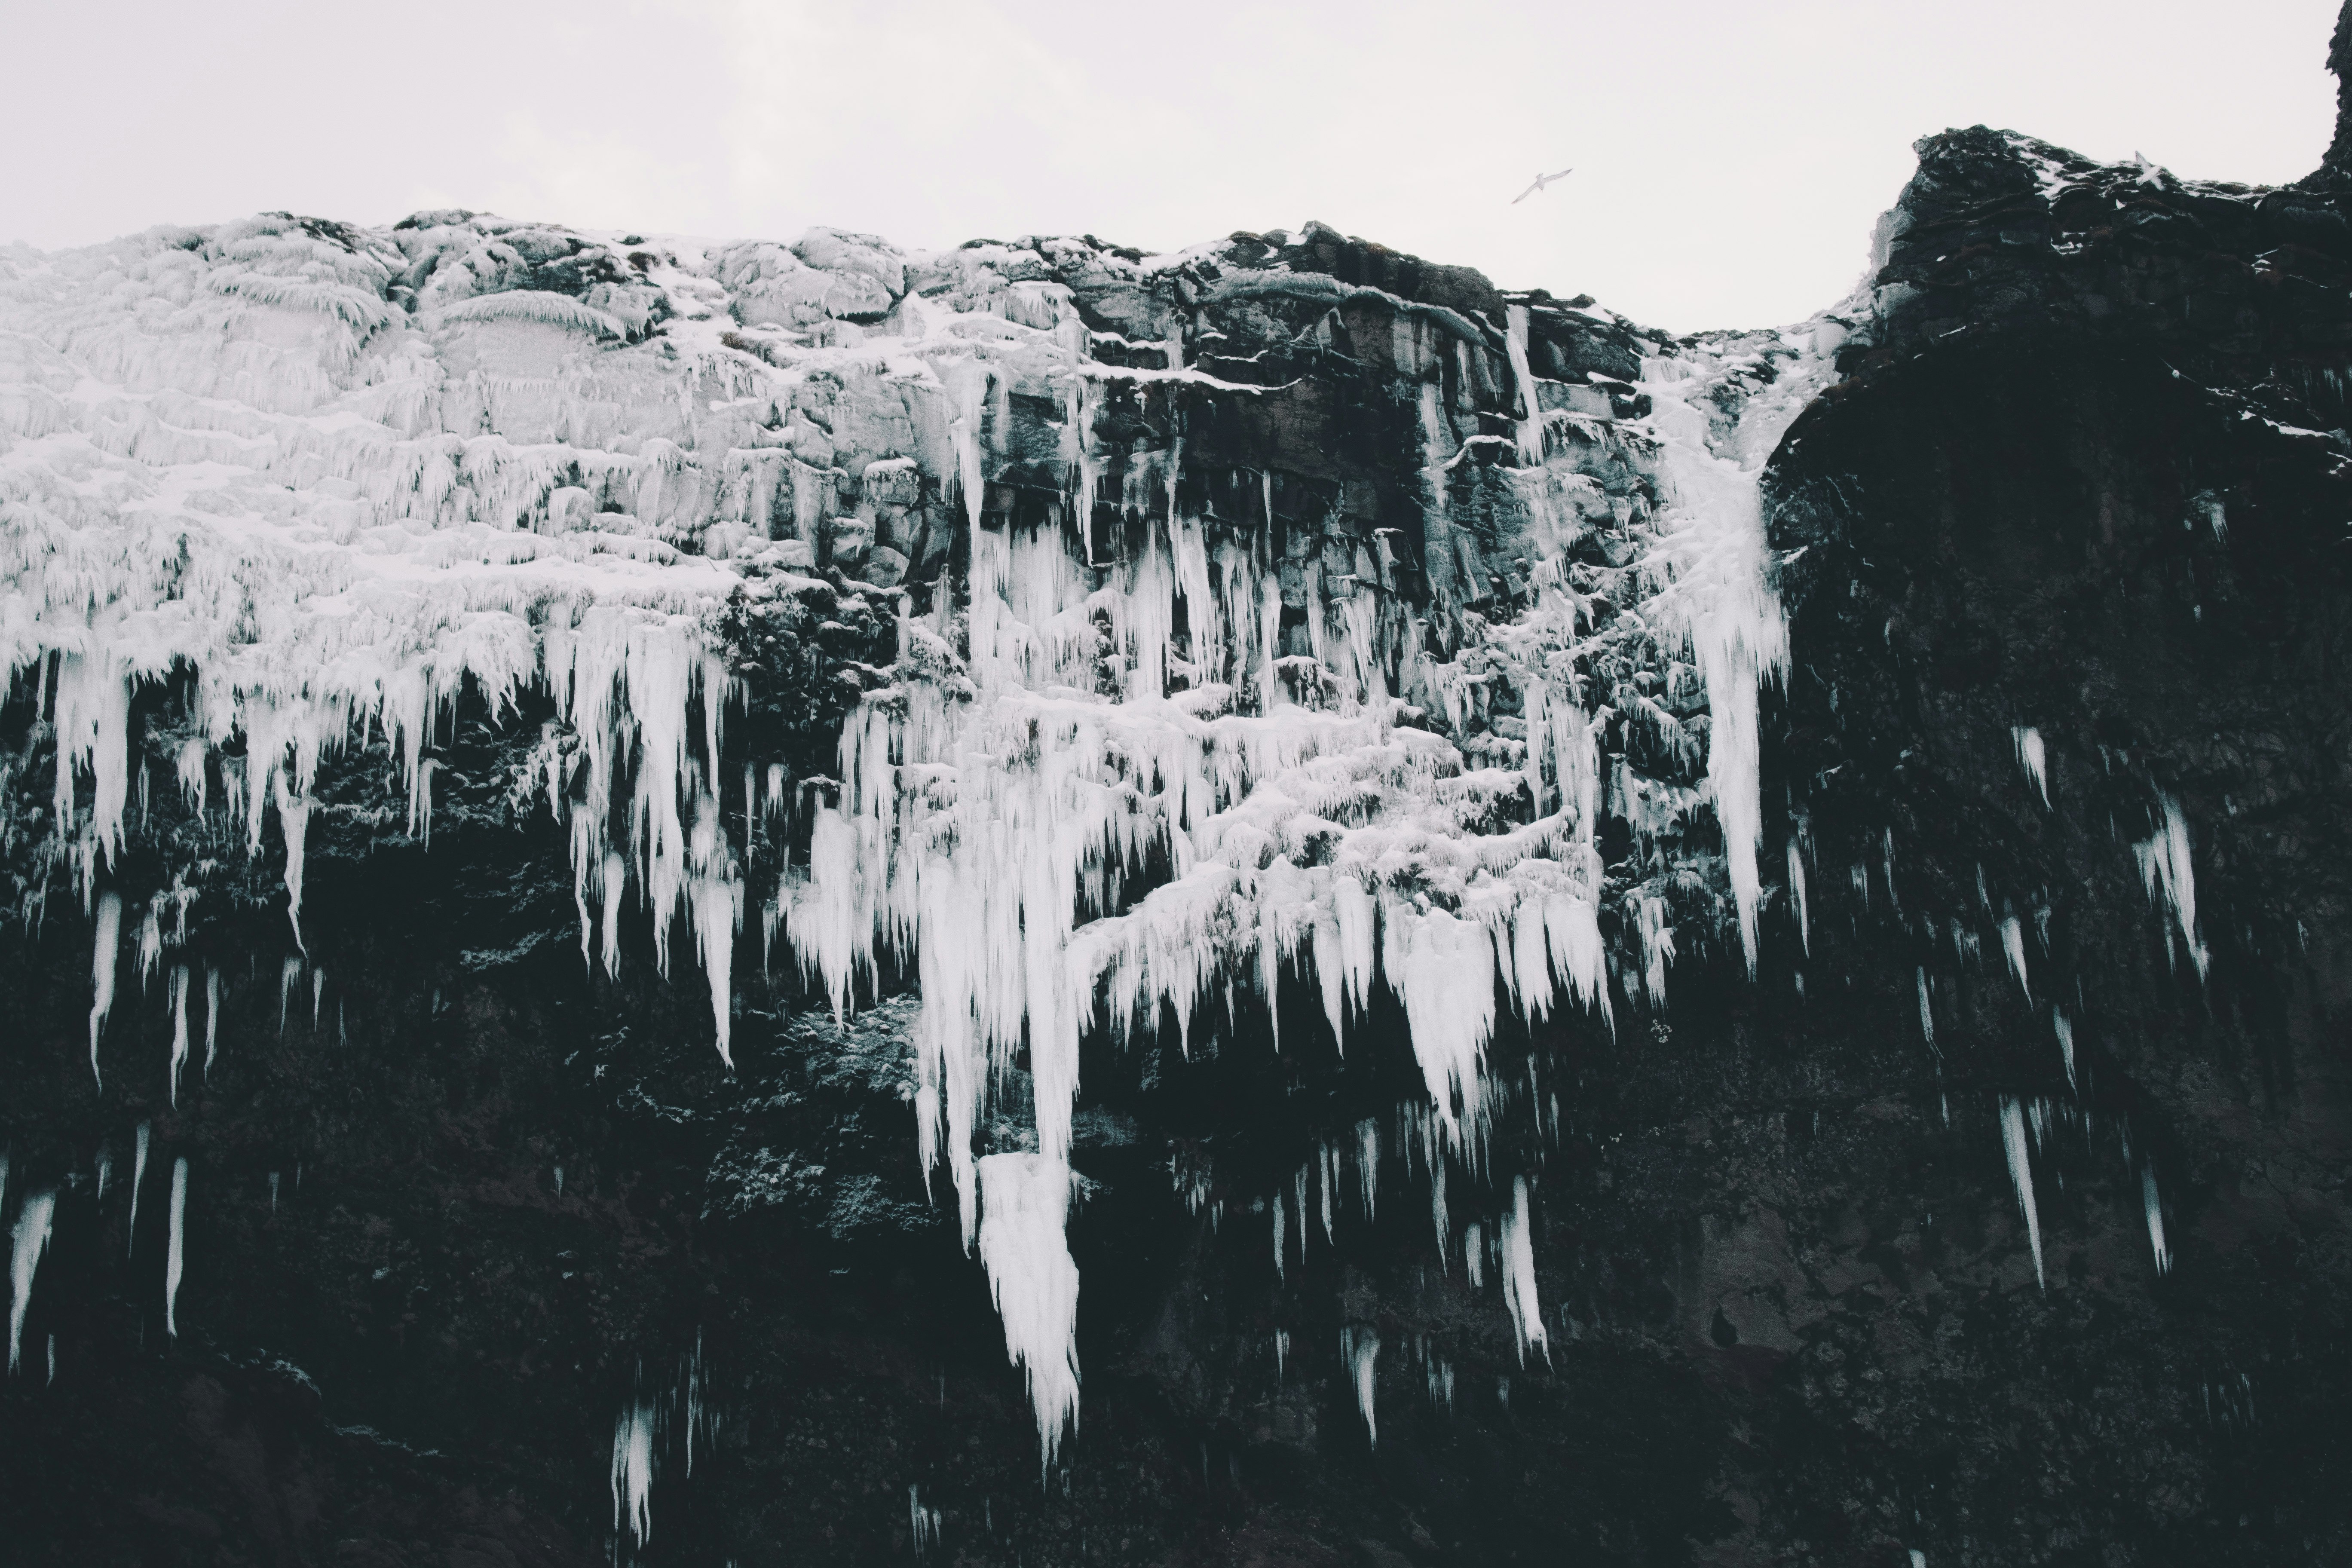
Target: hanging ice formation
2171	880
676	1412
632	1469
175	1251
2155	1207
1181	725
1359	1350
2020	1177
2033	758
1519	1273
138	1178
31	1238
922	1523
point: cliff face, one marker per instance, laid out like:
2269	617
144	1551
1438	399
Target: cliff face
1625	950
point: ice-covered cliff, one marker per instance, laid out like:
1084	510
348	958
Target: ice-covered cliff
1171	712
1505	929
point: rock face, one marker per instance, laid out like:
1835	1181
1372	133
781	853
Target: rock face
1965	1176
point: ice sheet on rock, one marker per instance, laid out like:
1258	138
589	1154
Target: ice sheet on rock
244	457
922	1523
1715	593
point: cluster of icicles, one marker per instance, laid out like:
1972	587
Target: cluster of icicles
2166	868
267	493
995	843
1508	1249
35	1223
679	1411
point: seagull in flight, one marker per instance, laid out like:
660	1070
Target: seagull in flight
1541	181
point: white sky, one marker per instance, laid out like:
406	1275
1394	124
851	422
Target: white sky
1730	155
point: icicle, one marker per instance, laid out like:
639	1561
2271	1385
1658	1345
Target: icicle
2028	741
212	1017
1519	1274
101	971
174	1254
1024	1203
2012	944
2065	1032
288	974
138	1174
32	1238
294	818
1926	1011
1440	1381
1437	1215
1473	1254
1797	891
2165	866
2155	1219
694	1398
2020	1177
1717	600
151	943
922	1525
1359	1347
632	1469
179	995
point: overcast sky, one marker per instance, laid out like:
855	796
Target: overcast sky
1730	155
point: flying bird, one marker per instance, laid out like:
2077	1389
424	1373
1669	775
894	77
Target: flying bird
1541	181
